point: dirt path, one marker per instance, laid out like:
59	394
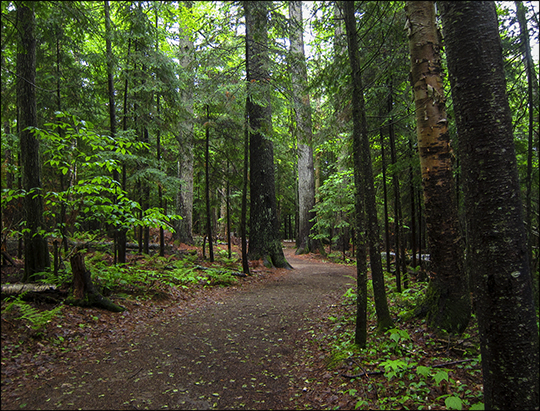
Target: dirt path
232	353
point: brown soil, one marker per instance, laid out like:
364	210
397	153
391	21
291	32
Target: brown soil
235	350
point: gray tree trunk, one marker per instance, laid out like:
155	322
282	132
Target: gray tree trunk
184	198
498	241
304	133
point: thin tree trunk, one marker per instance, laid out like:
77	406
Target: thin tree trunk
145	202
499	262
447	302
158	155
61	222
531	82
207	185
413	211
243	217
228	206
112	107
385	203
362	157
397	194
122	234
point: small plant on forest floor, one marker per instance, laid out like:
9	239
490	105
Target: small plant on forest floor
35	318
401	355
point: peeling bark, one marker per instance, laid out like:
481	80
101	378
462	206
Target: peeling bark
447	303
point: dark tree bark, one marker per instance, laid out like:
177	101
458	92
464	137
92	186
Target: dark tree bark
499	262
243	217
447	302
398	220
363	168
385	203
36	252
532	88
413	214
112	106
360	334
121	239
304	132
207	185
228	206
264	240
158	152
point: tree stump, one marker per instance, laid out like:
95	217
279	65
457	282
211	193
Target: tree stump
84	291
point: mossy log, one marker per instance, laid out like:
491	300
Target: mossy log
84	292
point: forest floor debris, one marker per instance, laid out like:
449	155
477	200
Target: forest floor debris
279	339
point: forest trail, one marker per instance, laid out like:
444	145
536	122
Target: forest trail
233	353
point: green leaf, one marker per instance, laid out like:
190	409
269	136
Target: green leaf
453	403
441	375
478	406
424	371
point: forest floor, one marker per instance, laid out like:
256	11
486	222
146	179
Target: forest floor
259	344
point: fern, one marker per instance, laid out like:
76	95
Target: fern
37	319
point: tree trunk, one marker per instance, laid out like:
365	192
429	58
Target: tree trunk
228	207
397	192
385	203
158	152
207	185
121	239
531	88
36	253
264	239
362	159
184	199
499	262
243	217
413	213
84	291
112	106
302	108
447	301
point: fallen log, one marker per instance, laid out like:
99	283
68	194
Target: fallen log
47	293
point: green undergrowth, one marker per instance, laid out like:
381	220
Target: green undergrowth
406	367
152	277
156	273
